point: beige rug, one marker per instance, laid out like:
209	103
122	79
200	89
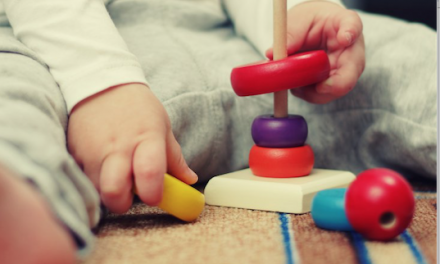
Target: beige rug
230	235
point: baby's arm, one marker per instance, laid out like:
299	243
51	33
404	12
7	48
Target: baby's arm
311	25
119	133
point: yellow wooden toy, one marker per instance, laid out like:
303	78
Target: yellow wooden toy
180	199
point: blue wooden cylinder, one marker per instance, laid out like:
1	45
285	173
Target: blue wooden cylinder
328	210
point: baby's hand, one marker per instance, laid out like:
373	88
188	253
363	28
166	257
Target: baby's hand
122	136
324	25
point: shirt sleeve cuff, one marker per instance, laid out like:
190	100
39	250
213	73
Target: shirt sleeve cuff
97	81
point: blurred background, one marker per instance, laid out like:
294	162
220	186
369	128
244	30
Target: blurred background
424	11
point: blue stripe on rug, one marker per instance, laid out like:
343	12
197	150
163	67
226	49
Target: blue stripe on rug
286	237
361	248
413	247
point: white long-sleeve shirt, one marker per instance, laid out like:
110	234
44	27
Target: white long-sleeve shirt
84	51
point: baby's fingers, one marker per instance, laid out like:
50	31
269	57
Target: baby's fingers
310	95
346	70
116	182
149	166
350	28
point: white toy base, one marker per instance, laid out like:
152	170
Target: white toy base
289	195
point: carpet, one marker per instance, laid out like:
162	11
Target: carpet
232	235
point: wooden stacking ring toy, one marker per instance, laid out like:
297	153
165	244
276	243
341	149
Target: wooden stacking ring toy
288	132
272	76
281	162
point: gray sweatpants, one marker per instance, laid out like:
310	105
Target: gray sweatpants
187	50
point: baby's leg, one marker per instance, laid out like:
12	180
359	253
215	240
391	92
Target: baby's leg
49	203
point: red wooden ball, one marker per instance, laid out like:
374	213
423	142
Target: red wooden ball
379	204
272	76
281	162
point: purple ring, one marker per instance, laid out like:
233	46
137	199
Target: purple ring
287	132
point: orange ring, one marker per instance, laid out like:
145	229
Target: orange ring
281	162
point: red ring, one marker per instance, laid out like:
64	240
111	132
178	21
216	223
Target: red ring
272	76
281	162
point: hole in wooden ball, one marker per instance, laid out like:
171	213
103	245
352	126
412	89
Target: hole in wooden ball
387	220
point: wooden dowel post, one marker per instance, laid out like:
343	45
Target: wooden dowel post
280	51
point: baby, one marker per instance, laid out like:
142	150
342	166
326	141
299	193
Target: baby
122	135
118	130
